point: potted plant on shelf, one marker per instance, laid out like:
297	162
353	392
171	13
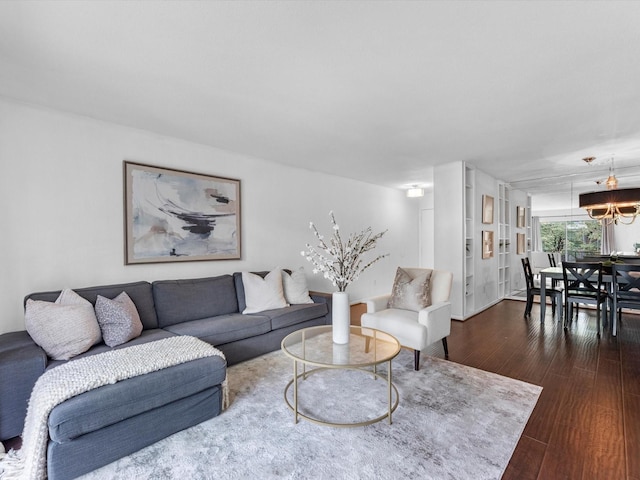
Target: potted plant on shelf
341	263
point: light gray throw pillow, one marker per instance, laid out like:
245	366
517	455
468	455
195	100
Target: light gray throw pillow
65	328
295	287
410	293
262	294
118	319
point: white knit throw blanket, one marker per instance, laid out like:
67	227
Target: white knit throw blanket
84	374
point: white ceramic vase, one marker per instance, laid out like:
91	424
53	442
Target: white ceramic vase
341	317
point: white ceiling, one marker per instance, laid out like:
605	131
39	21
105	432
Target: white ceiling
372	90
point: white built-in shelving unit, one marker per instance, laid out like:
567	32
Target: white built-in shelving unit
504	241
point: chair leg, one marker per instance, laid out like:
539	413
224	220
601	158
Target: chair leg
446	347
367	343
416	360
527	308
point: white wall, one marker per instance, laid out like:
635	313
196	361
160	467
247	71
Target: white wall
62	197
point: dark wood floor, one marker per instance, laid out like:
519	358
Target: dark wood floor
586	424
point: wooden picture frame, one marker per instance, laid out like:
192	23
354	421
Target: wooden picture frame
487	244
521	244
178	216
487	209
521	217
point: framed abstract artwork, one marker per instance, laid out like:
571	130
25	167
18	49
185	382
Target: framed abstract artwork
178	216
487	209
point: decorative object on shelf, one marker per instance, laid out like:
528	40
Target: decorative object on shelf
612	205
415	192
177	216
520	247
341	263
521	217
487	244
487	209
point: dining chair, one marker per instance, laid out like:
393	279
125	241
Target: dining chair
625	290
583	284
533	289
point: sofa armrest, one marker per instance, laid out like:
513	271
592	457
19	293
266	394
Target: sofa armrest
375	304
320	297
21	364
323	297
437	319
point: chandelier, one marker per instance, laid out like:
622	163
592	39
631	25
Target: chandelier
613	205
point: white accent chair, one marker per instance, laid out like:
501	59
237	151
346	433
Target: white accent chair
415	330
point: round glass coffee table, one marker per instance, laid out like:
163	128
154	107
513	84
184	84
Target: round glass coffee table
367	349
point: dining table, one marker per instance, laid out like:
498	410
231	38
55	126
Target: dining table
555	273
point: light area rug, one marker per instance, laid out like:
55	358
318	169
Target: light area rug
452	422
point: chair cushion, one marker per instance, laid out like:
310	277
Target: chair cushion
402	324
411	293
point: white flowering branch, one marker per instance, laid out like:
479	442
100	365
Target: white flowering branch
341	263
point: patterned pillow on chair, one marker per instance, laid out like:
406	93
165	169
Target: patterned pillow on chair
410	293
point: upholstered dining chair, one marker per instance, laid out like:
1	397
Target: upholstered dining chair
625	291
533	289
583	284
417	311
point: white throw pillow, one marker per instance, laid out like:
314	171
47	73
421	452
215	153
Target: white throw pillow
263	293
295	287
65	328
118	319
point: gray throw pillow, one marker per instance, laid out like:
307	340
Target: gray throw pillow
410	293
65	328
118	319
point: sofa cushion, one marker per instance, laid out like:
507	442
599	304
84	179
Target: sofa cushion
113	403
150	335
224	328
139	292
263	293
118	319
180	301
64	328
284	317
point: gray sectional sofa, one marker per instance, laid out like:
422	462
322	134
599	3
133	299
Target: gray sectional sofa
102	425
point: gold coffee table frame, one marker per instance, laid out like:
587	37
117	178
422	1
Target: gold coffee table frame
367	347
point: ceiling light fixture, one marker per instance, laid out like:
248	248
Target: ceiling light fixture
612	205
612	181
415	192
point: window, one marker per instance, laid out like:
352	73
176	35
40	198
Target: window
573	238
